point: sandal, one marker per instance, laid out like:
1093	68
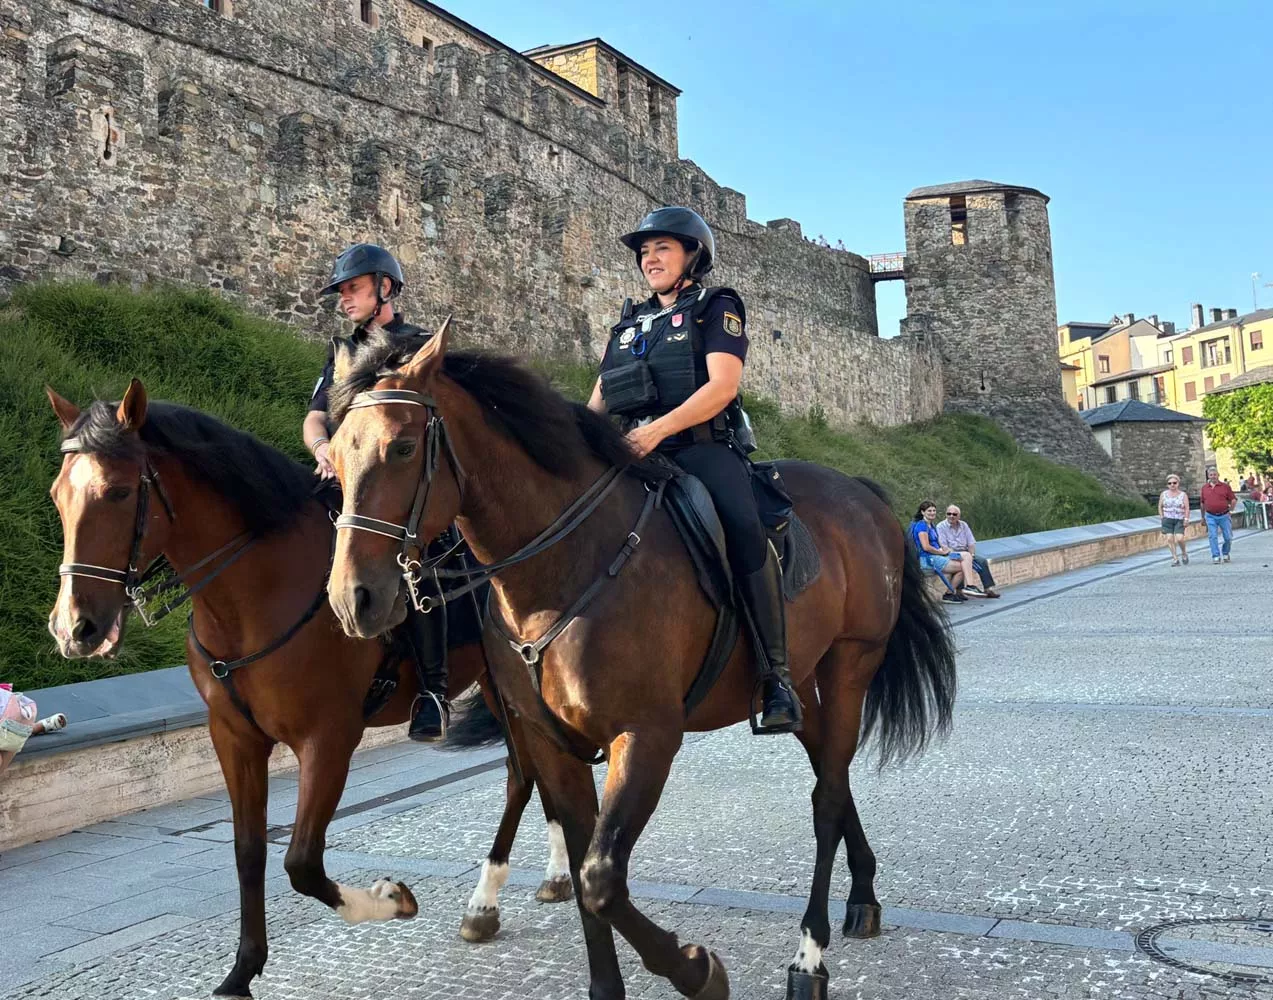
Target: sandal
53	724
1175	562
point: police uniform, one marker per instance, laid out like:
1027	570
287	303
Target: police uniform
702	321
656	360
427	634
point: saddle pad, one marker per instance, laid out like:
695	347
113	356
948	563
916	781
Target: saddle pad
801	563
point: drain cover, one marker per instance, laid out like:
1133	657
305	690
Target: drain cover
1235	949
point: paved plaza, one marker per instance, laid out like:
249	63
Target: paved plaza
1097	826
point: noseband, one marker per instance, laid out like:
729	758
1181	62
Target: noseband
158	580
435	440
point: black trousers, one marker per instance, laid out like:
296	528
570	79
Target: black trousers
727	477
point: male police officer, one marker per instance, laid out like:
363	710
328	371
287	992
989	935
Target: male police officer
367	278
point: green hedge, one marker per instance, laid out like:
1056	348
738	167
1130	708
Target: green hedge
193	347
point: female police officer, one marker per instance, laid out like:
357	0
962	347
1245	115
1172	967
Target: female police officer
367	278
671	371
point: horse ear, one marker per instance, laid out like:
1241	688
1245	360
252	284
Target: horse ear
67	412
342	358
132	410
428	359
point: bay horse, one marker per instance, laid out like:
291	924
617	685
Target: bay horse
482	439
140	480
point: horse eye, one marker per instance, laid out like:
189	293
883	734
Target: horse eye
117	494
404	449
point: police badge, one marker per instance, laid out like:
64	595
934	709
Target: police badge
625	338
733	325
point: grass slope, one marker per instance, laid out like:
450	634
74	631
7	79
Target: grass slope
192	347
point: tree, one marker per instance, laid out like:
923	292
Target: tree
1243	421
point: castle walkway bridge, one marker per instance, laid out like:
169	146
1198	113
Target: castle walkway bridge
887	266
1097	826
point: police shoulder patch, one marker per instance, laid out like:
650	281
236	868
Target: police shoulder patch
733	325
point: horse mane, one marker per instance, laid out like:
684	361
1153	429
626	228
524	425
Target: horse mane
263	485
519	402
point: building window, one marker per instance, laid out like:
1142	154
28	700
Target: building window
1160	390
1257	340
426	43
1191	391
1080	403
1102	363
1208	383
958	220
1216	352
223	7
1186	355
367	13
1111	394
1166	357
1225	378
1133	390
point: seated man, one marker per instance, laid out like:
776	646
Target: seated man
954	534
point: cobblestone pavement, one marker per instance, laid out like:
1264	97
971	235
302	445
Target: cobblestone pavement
1107	774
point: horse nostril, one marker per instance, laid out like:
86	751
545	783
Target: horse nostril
83	630
362	600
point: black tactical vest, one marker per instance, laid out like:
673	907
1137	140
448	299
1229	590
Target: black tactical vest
656	360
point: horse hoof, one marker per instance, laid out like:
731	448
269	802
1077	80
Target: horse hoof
407	906
555	890
807	985
480	926
862	920
716	986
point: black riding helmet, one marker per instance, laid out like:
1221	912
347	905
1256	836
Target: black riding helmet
687	226
365	258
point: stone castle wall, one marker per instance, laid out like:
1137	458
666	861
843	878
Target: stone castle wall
159	140
987	297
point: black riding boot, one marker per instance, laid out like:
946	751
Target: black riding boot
431	712
763	601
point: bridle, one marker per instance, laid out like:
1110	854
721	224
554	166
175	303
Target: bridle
407	535
158	581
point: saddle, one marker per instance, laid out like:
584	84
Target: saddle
692	511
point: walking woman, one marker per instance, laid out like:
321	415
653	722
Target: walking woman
1173	508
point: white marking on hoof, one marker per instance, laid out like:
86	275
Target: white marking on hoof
485	898
358	906
808	955
558	860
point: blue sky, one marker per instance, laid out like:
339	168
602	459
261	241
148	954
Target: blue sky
1149	125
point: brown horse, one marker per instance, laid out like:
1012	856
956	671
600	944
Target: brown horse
139	481
505	454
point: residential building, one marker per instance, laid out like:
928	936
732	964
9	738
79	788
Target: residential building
1212	354
1113	360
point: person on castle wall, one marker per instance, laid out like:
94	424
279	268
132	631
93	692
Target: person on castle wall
367	278
1218	502
671	372
955	535
935	556
1173	508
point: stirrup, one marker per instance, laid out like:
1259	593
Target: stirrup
444	716
754	717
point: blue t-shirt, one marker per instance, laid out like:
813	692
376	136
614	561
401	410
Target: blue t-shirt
922	527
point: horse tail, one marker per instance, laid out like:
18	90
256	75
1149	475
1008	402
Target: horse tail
472	725
912	695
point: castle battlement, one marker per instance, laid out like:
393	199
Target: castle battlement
161	140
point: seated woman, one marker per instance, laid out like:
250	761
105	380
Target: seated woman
932	555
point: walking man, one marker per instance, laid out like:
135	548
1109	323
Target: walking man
1218	500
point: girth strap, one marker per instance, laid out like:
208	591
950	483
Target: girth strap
221	669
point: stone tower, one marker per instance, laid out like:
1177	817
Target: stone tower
979	283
